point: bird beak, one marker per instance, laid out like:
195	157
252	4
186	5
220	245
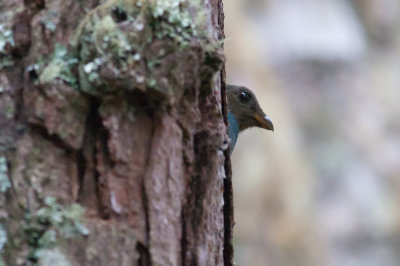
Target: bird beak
264	121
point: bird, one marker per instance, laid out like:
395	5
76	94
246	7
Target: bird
244	112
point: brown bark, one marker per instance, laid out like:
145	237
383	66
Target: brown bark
108	106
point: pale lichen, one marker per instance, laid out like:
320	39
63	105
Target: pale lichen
48	20
127	45
6	39
3	241
9	110
52	257
4	181
3	238
60	67
51	223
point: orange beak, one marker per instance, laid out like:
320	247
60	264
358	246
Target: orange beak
264	121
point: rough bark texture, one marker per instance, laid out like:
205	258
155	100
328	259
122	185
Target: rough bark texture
116	107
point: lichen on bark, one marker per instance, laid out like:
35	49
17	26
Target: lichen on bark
150	46
116	107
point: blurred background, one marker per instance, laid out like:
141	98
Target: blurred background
324	189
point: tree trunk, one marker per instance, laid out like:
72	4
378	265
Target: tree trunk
113	146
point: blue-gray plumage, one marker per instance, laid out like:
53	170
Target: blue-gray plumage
233	129
244	112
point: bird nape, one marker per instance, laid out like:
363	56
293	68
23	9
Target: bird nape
244	112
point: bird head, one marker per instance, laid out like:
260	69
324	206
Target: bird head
243	104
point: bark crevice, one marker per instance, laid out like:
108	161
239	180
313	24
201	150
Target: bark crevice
144	192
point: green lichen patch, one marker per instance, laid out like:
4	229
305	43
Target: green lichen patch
51	257
6	40
59	67
49	20
3	237
52	223
4	181
3	241
153	46
109	56
9	110
177	24
6	37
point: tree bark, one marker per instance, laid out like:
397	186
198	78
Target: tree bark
113	145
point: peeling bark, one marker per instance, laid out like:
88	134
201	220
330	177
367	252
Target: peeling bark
132	131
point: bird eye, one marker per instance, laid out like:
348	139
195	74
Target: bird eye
244	97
